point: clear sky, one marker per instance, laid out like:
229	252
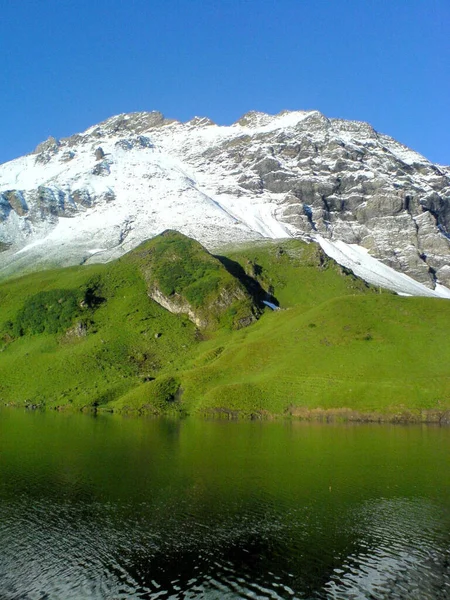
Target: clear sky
67	64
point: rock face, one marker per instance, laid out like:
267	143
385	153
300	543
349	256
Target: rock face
293	174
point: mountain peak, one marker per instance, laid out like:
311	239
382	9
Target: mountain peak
136	122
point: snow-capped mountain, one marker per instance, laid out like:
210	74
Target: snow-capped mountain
94	196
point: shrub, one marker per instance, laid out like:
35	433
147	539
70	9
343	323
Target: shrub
51	311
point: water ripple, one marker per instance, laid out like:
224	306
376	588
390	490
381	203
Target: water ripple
400	554
171	525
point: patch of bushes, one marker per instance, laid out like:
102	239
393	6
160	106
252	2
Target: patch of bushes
197	292
182	266
51	311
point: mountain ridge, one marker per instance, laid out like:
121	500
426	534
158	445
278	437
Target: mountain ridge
93	196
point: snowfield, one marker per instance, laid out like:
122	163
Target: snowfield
375	272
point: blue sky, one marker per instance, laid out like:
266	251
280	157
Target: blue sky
67	64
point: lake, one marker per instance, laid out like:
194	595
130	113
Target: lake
109	507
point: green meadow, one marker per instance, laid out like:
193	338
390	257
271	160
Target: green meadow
91	338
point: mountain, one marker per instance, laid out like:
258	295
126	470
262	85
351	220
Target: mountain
373	204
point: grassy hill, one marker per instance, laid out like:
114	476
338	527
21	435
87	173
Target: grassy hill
185	278
92	337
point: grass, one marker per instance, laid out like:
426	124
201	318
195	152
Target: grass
296	273
131	339
366	353
335	344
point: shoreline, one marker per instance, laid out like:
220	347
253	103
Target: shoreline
339	415
402	416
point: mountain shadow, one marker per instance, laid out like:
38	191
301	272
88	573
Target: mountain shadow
251	283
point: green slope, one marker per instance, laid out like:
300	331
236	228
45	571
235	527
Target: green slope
129	339
90	337
366	353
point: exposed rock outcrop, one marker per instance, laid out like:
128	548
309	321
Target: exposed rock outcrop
184	278
99	154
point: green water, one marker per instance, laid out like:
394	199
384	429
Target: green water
115	508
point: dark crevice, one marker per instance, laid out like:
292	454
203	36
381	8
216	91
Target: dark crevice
251	284
307	211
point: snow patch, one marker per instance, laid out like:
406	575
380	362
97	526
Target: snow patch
373	271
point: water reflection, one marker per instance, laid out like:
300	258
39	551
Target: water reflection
128	508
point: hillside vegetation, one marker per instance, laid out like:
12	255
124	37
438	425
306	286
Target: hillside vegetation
184	277
93	338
